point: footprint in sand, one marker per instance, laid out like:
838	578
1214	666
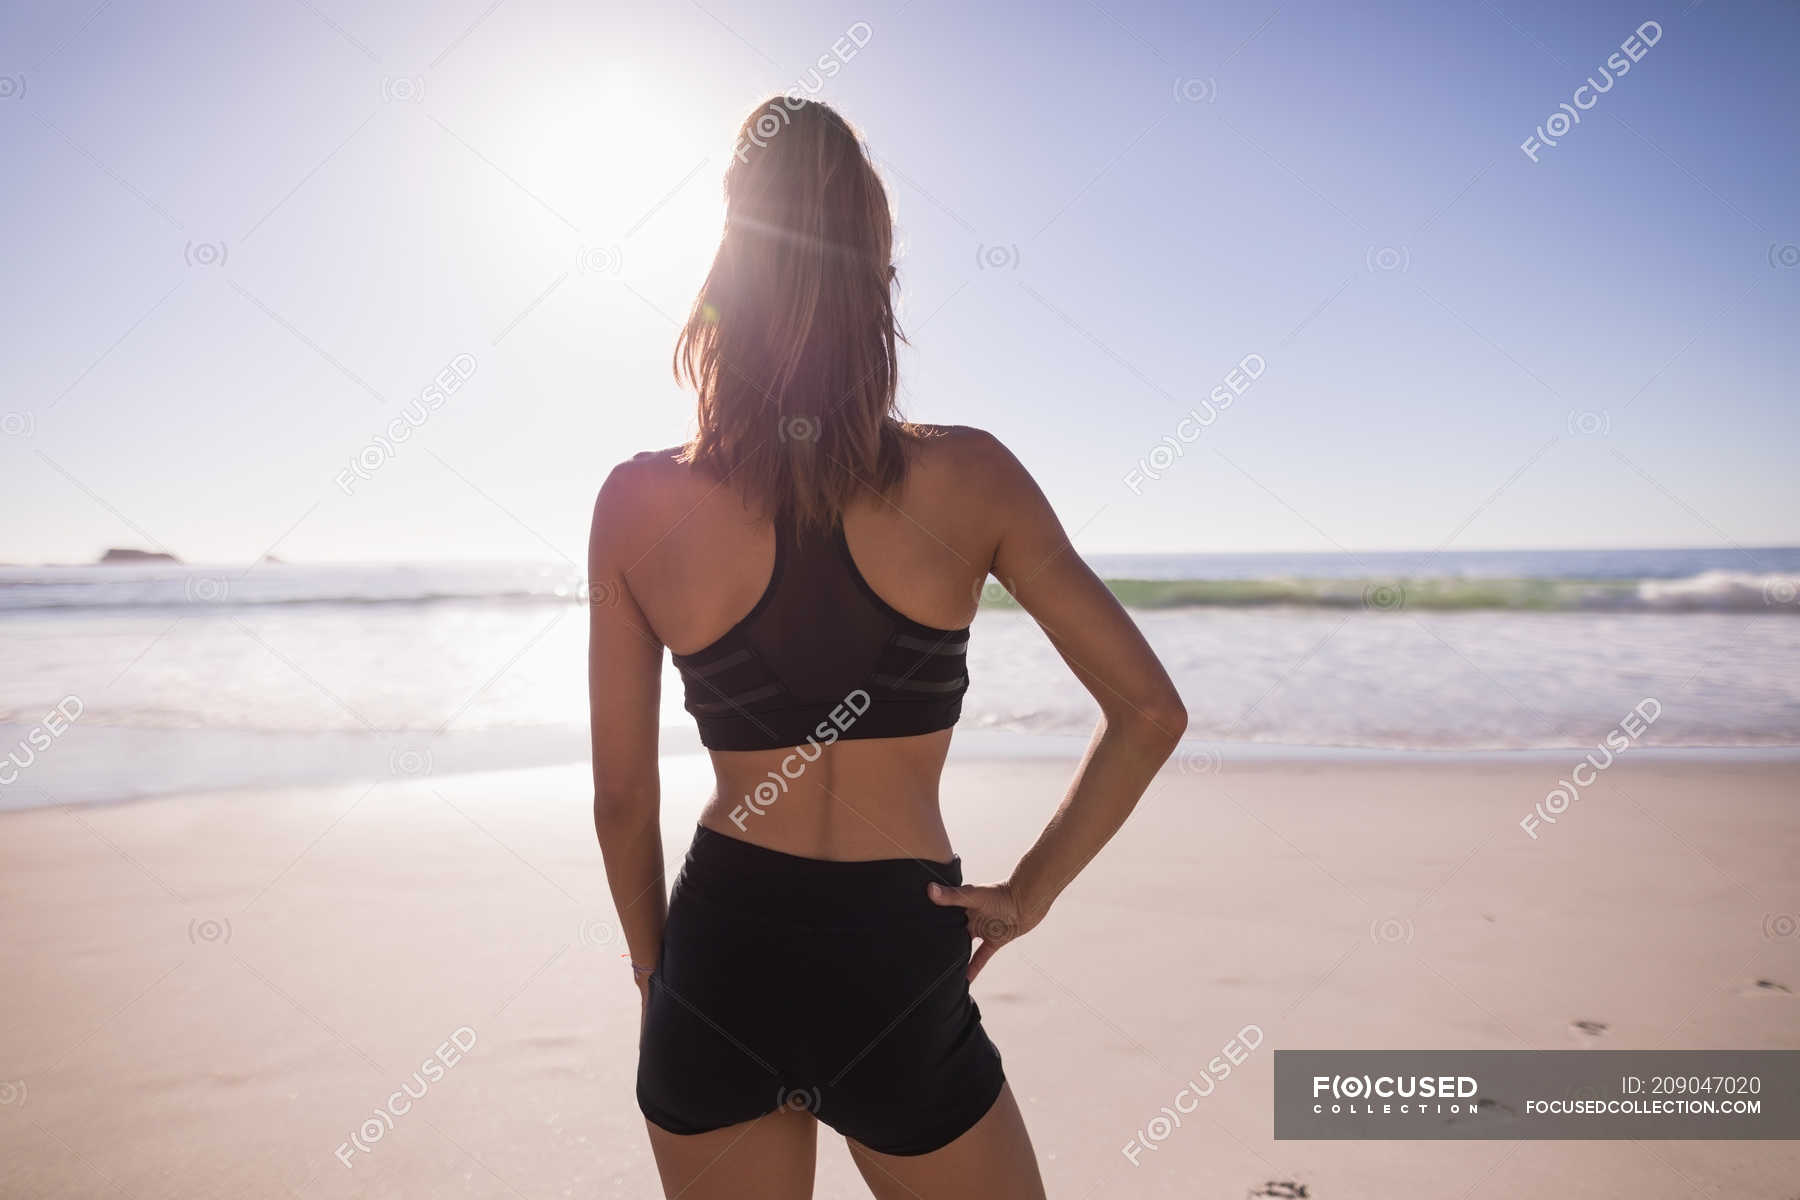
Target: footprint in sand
1591	1029
1767	987
1282	1189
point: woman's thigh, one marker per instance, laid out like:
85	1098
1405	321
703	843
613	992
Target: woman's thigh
992	1161
772	1156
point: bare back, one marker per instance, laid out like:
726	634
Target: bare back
926	550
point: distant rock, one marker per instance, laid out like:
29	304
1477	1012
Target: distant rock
117	555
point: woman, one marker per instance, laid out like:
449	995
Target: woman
813	564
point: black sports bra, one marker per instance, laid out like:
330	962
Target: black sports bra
822	657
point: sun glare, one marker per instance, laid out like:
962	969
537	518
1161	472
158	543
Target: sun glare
630	166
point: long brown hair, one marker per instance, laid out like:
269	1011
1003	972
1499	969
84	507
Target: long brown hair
791	342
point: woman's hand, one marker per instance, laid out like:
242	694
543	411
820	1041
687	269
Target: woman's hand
996	916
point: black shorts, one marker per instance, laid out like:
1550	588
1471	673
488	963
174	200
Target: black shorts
836	988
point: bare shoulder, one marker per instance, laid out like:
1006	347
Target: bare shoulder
969	463
642	490
642	482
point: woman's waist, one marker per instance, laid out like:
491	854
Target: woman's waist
730	874
832	827
878	803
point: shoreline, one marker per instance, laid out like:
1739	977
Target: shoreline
204	762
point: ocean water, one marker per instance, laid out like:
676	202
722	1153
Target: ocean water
176	677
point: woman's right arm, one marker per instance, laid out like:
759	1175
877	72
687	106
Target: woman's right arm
624	695
1141	715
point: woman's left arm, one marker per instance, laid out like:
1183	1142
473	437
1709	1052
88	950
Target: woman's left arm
624	699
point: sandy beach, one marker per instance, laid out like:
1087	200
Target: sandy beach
214	995
393	388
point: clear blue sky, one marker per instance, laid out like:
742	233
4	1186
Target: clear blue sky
1102	209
